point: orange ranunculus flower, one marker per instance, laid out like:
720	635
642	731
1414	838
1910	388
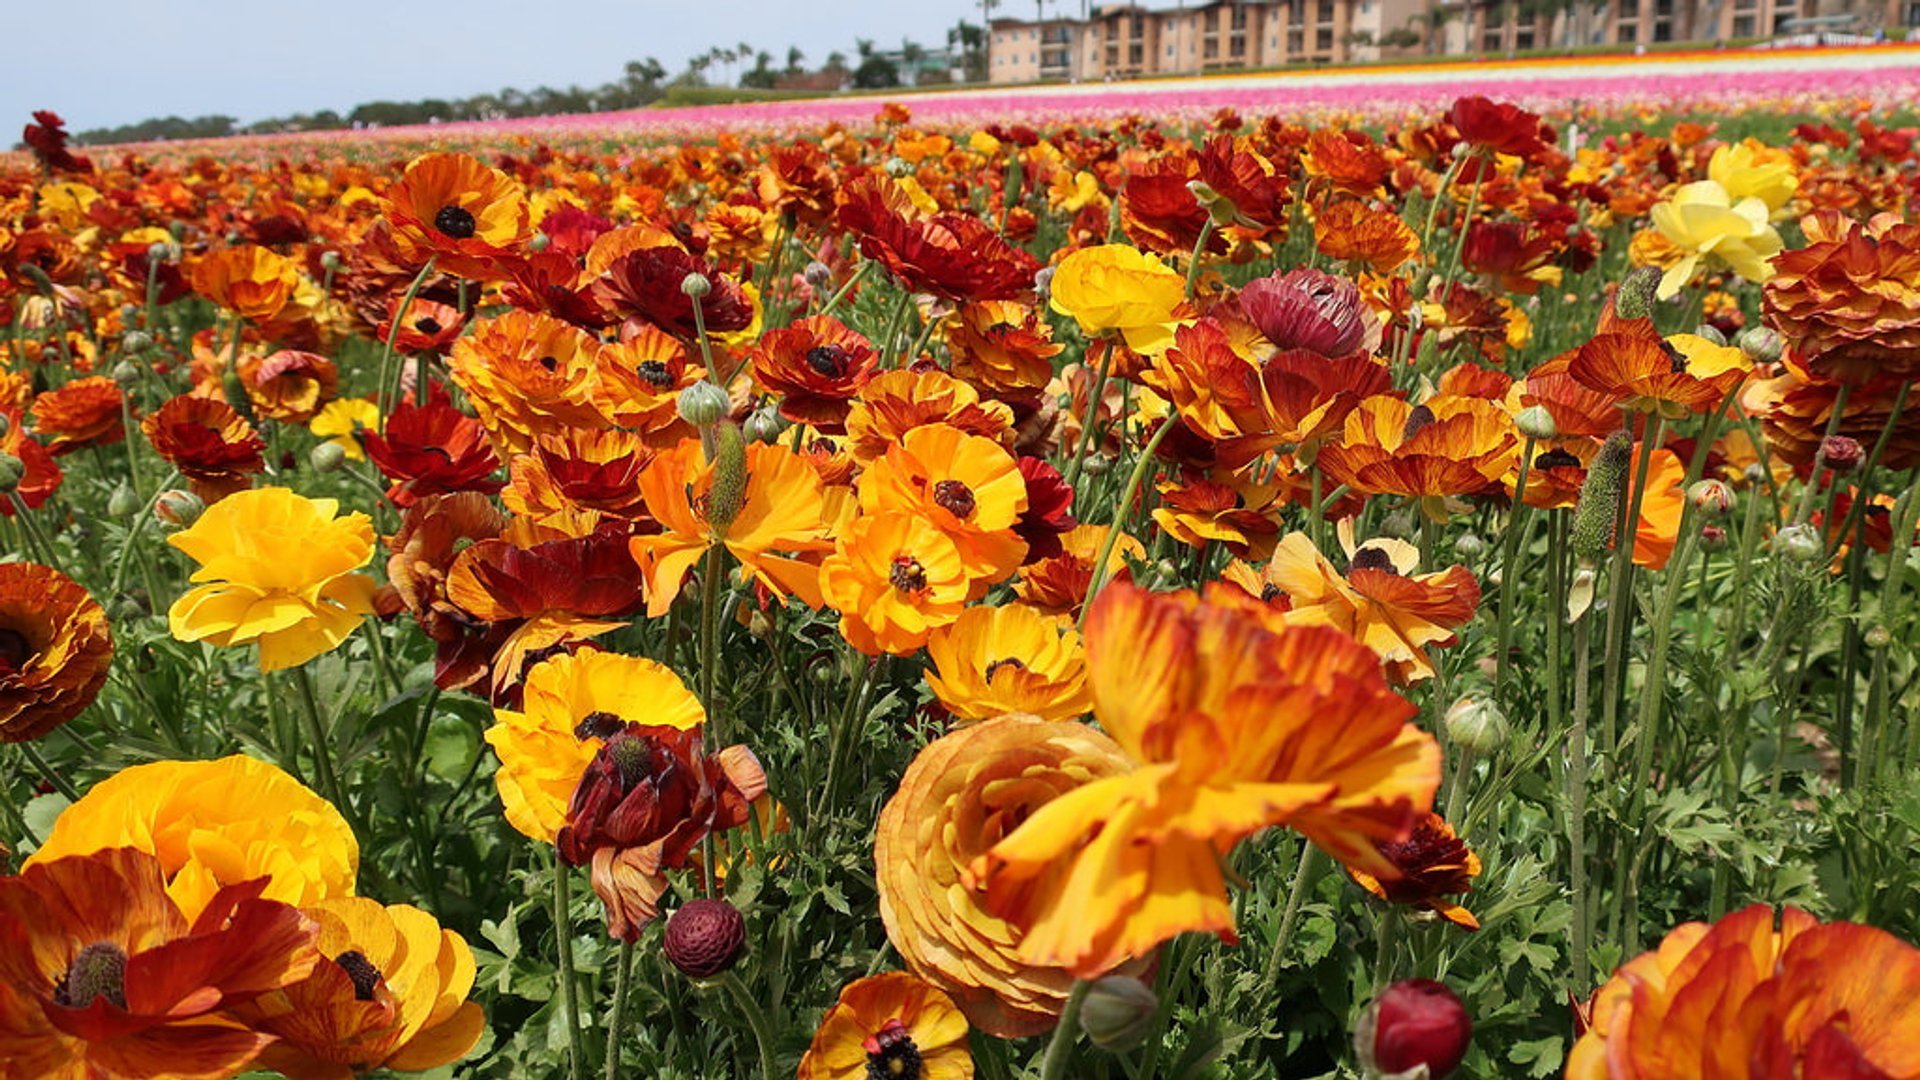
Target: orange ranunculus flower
1118	289
467	217
1446	446
895	402
1434	865
884	1025
214	824
85	412
102	975
966	486
780	519
1236	723
526	373
574	476
1849	301
1660	508
894	578
1348	162
1675	376
248	280
289	385
1198	511
1795	410
1743	997
390	993
1058	584
432	533
816	365
1577	409
992	661
546	745
551	593
1380	601
1355	232
208	443
1002	347
55	648
637	383
959	797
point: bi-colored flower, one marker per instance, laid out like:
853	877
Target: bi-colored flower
55	648
890	1025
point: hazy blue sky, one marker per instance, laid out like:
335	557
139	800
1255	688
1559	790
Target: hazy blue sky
105	62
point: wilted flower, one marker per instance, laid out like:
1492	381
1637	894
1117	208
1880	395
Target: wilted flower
208	443
277	570
289	385
55	648
1433	866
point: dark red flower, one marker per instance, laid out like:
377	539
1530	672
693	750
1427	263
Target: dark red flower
433	450
647	285
816	366
1499	126
1307	309
654	785
954	256
1049	511
208	442
47	138
1413	1023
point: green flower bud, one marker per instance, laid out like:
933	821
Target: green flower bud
1878	637
1117	1012
703	404
1636	295
1713	539
765	425
1469	547
539	242
1536	423
124	502
1800	543
1711	333
1599	499
327	457
1762	344
330	261
126	373
696	285
12	471
136	341
729	490
178	509
1712	498
1475	724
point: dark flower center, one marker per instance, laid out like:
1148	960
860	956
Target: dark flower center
1556	459
994	668
1372	558
1417	420
99	971
15	650
1269	592
428	325
891	1054
361	970
454	221
630	756
908	575
598	725
955	497
654	374
549	363
1676	360
830	361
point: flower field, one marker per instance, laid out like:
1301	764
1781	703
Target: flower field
1391	578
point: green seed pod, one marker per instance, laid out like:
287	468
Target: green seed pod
327	457
1600	497
1637	293
12	471
124	502
1535	422
729	490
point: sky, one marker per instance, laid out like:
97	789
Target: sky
101	63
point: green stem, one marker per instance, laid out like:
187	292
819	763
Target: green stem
756	1019
623	977
47	770
1098	388
710	640
317	732
390	383
1516	520
1619	618
1065	1033
1199	252
1121	511
569	990
1303	878
1577	806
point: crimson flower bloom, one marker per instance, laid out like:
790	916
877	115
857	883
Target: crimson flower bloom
955	256
646	285
1307	309
432	450
1499	126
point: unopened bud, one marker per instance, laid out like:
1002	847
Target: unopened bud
696	285
1476	724
765	425
1713	539
538	243
178	509
1469	547
1762	344
818	276
704	938
898	167
1599	500
1841	453
1043	283
330	261
1118	1012
1799	543
124	502
1536	423
159	251
1877	637
759	625
125	373
136	341
1711	333
12	471
728	492
703	404
1415	1028
327	457
1636	295
1712	498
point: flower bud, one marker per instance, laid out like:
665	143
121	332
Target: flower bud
1475	724
1712	498
327	457
1801	543
1713	539
696	285
1043	283
159	251
765	425
1096	465
1841	453
126	373
6	425
818	276
1877	637
1536	423
12	471
1635	297
759	625
136	341
538	242
1762	344
898	167
704	938
1711	333
1600	497
178	509
703	404
330	261
1118	1012
124	502
1415	1028
1469	547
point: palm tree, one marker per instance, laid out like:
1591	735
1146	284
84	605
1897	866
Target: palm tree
911	54
795	59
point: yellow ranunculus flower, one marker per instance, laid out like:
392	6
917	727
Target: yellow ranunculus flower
276	568
1751	169
993	661
341	419
1117	288
213	824
571	702
1703	221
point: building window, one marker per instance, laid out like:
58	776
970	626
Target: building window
1324	39
1324	13
1629	33
1366	7
1743	26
